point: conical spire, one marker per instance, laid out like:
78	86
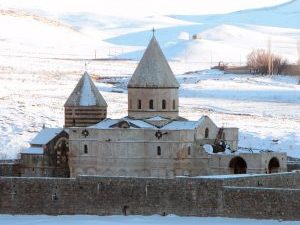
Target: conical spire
86	94
153	70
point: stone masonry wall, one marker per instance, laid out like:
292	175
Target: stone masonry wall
146	196
275	203
108	196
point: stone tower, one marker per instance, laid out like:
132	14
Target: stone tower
153	88
85	106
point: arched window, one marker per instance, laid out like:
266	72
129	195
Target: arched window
206	132
151	104
163	104
139	104
174	104
189	150
158	150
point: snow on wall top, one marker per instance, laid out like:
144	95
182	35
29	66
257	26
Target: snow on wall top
45	135
33	150
153	71
86	94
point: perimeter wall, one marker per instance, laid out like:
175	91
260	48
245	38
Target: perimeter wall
264	196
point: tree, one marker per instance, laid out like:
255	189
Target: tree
262	62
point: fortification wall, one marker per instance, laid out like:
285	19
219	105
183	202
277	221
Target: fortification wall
108	196
10	168
276	180
146	196
275	203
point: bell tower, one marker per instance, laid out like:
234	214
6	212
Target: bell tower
153	88
85	106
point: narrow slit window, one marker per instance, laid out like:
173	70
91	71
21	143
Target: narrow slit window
189	150
151	104
85	149
158	150
163	104
139	104
174	104
206	133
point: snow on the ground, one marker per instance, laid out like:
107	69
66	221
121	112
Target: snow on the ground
112	29
30	35
138	220
228	43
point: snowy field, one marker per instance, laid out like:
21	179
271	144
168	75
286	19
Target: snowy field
134	220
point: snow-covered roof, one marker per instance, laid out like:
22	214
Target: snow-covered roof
109	123
153	70
156	118
45	135
86	94
183	125
33	150
174	125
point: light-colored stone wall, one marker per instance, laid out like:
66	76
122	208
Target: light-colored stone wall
157	95
256	162
134	152
230	135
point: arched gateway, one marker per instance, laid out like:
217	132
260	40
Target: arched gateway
238	165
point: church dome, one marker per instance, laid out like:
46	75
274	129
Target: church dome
153	71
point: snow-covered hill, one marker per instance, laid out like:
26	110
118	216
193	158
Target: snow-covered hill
80	29
228	37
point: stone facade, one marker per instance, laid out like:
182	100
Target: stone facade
53	161
132	151
164	102
84	116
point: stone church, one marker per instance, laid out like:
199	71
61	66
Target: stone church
152	141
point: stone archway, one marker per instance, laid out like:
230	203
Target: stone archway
62	157
273	166
238	165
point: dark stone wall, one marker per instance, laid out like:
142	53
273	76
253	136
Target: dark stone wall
10	168
146	196
276	180
49	164
262	203
107	196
